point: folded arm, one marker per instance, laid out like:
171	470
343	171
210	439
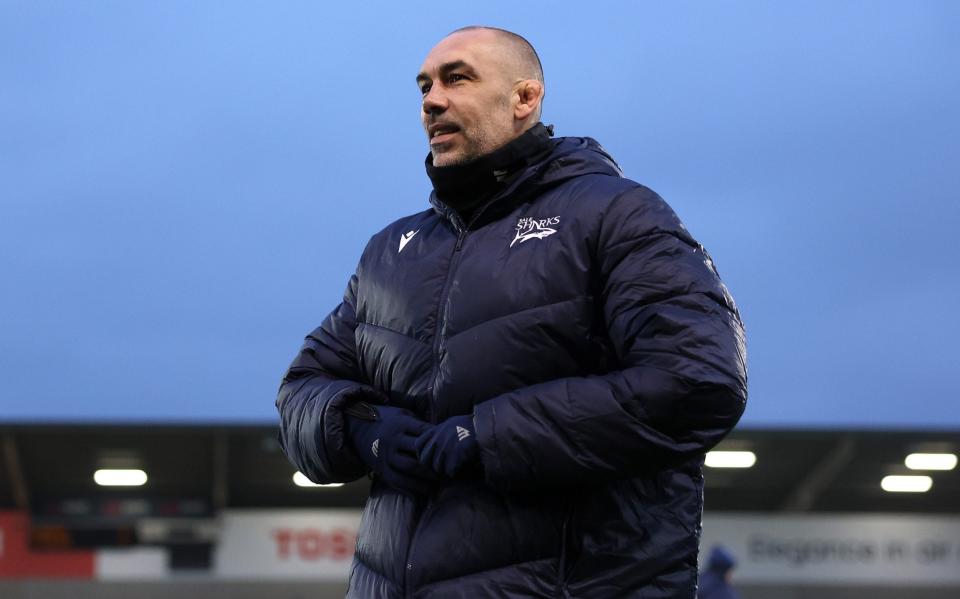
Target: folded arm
322	379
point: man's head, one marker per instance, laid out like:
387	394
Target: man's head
482	87
722	562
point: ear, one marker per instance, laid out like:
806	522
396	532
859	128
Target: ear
529	95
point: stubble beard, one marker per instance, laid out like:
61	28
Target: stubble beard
473	147
477	141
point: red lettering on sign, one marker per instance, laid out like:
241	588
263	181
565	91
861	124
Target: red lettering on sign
283	537
312	544
342	543
18	560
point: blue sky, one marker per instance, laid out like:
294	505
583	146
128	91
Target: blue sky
185	187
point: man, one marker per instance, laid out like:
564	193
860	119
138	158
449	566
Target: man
715	580
532	369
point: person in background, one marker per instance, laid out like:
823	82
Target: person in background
715	580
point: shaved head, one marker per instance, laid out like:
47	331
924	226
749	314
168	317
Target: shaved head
481	87
525	58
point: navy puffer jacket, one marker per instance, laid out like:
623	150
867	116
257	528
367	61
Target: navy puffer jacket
600	355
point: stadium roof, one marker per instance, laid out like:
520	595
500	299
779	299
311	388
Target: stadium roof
199	470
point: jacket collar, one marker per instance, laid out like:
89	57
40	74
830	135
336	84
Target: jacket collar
566	158
465	188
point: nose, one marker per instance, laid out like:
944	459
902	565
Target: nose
435	101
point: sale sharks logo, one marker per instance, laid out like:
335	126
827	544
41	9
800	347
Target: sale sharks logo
533	228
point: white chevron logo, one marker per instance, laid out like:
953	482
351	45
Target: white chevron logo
405	238
462	433
375	447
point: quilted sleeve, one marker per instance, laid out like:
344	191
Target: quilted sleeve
322	378
680	384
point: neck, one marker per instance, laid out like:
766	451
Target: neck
465	187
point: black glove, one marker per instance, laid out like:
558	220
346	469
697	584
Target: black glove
449	447
384	438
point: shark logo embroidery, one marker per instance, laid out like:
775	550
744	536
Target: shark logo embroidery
532	228
405	238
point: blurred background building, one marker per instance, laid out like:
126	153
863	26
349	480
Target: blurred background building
217	511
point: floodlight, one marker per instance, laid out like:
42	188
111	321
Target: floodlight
302	481
906	484
731	459
931	461
120	478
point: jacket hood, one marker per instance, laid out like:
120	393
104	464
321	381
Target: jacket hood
571	157
577	156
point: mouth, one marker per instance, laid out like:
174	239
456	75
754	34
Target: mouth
441	133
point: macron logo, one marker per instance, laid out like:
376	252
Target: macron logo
405	239
532	228
375	447
462	433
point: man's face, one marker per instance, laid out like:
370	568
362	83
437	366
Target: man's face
467	97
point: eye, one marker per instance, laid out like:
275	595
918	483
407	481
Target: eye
454	77
425	88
